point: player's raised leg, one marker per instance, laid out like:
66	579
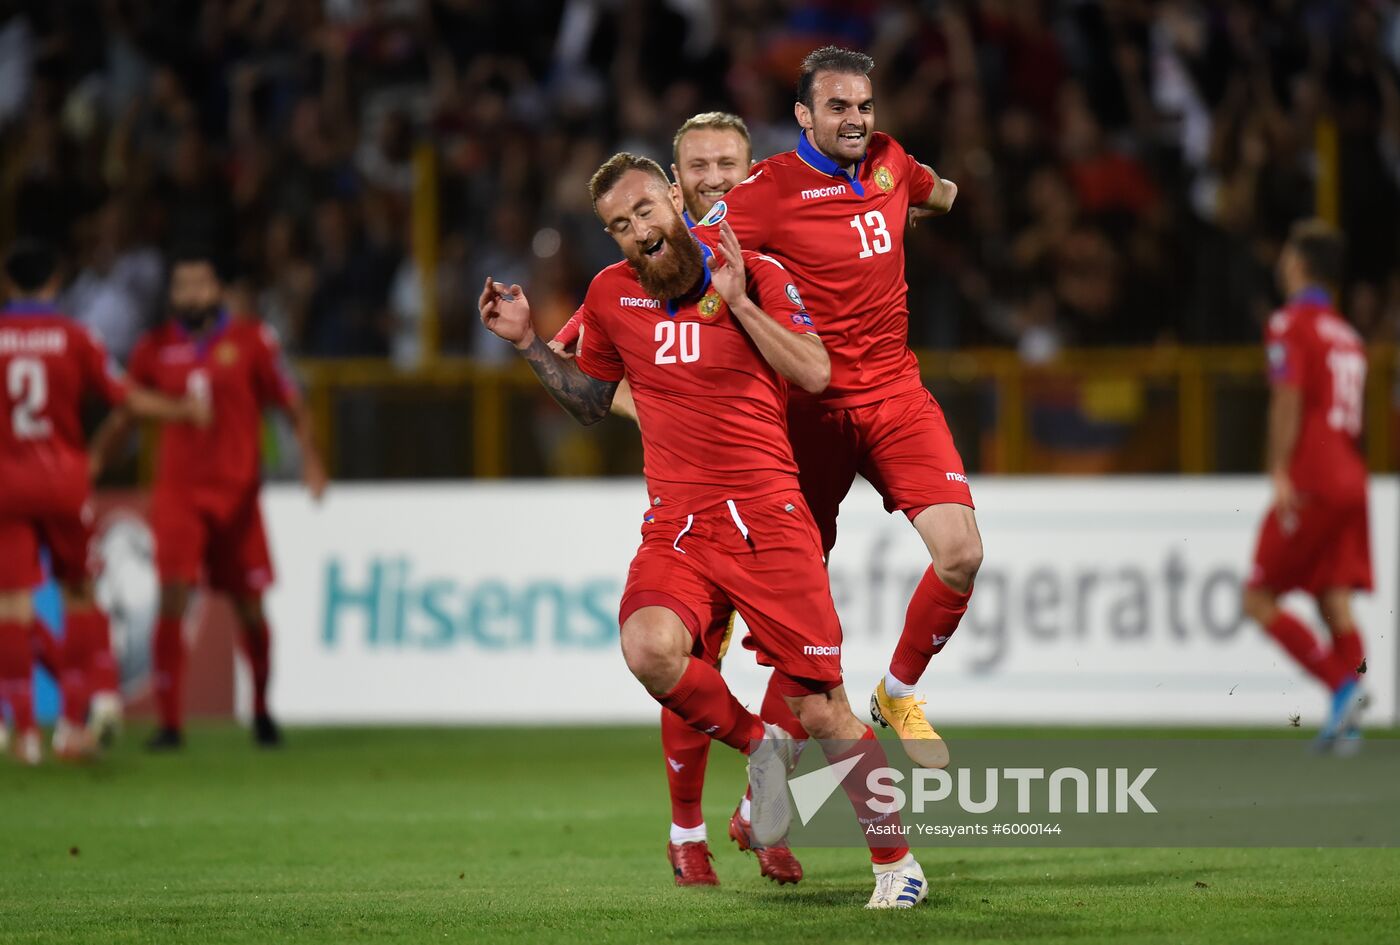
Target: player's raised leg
656	645
950	533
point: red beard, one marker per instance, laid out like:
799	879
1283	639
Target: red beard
677	271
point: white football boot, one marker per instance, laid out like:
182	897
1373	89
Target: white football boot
105	718
769	766
899	885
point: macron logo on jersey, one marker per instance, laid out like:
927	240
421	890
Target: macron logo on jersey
821	651
955	477
817	192
638	302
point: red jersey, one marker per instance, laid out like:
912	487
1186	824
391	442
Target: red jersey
844	238
711	410
1312	348
237	366
49	364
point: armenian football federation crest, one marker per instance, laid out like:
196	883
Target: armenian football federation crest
226	353
884	179
709	305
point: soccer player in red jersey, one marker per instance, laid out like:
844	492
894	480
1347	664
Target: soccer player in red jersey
833	212
1315	537
204	507
710	154
706	340
49	365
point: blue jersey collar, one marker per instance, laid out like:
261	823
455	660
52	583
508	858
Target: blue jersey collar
1312	295
203	344
29	307
689	223
809	153
674	305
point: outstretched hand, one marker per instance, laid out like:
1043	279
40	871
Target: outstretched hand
506	313
727	267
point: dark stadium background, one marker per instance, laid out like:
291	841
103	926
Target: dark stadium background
1127	171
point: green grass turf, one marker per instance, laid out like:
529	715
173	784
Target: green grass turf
497	835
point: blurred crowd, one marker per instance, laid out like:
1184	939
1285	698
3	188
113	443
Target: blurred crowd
1127	168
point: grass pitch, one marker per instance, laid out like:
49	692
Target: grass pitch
492	835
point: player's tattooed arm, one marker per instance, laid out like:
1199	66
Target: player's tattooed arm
622	403
505	311
586	398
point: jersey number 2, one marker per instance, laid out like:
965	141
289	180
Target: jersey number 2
689	342
876	221
27	383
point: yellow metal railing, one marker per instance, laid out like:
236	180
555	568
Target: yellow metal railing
1112	383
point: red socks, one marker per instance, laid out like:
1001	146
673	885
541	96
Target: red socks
703	701
46	650
775	710
1308	652
933	615
168	658
257	646
885	847
686	753
16	672
103	674
1348	651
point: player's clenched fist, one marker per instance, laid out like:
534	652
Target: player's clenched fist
727	267
506	313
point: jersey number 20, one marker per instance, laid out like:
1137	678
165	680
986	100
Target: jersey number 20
689	346
27	383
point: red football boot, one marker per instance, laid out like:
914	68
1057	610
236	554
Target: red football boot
691	862
775	862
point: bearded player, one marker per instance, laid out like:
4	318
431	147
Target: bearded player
706	340
204	507
49	365
710	154
1315	537
833	212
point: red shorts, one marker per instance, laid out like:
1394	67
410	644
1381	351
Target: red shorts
1328	547
901	445
207	534
701	567
44	506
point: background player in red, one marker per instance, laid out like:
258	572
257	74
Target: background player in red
204	508
1315	537
705	342
49	365
711	153
833	212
